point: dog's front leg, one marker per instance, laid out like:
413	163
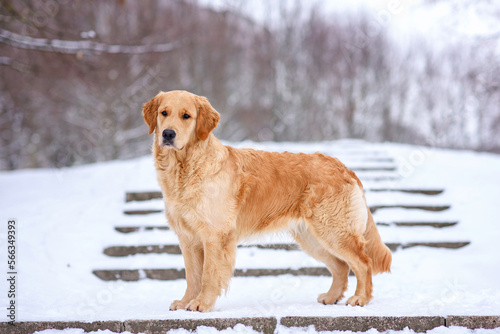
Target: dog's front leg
218	265
193	260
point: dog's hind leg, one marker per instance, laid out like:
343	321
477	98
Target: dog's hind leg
352	250
349	248
338	268
338	225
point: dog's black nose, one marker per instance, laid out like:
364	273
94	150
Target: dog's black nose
168	134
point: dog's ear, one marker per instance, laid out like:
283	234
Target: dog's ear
207	120
150	111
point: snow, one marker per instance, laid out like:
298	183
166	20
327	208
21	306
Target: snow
66	218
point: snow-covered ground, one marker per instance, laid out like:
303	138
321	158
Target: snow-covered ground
67	217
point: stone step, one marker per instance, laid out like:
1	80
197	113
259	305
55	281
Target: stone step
365	323
173	274
356	152
148	195
373	208
436	224
372	159
429	192
141	212
266	325
142	196
120	251
357	169
435	208
133	229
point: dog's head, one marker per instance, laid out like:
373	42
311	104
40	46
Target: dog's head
179	118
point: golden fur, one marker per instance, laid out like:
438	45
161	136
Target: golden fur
217	195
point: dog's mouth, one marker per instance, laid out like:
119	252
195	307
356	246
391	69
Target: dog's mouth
170	144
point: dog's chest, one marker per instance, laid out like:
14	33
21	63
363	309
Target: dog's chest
195	200
179	186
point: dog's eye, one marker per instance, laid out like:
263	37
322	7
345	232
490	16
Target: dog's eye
164	113
186	116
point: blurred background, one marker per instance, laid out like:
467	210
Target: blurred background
74	74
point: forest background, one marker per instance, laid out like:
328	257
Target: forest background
75	74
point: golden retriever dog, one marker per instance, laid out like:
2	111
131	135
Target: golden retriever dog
216	196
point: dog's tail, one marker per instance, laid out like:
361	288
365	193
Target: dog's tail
378	252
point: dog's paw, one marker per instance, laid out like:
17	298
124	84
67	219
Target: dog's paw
199	305
178	305
358	300
329	299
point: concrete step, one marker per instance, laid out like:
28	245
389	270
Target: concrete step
357	169
436	224
120	251
433	208
141	212
142	195
131	275
373	208
148	195
266	325
173	273
372	159
133	229
429	192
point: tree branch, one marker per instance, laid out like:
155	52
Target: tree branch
75	47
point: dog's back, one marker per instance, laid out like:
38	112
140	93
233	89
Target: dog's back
278	187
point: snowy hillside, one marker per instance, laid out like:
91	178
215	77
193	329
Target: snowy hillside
67	217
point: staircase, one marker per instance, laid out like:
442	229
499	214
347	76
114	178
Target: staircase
412	211
406	217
